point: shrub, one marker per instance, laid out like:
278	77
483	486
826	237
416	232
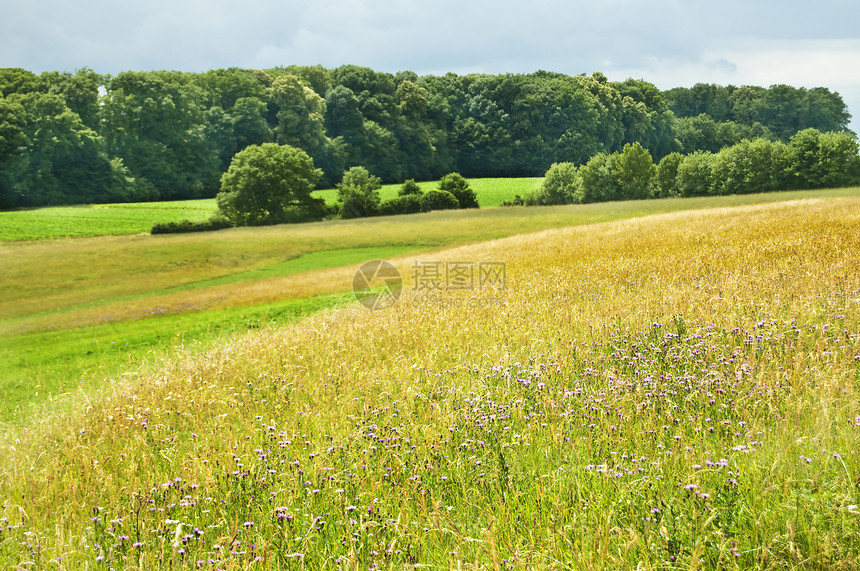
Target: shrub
406	204
517	200
214	223
438	200
457	185
560	185
410	187
358	193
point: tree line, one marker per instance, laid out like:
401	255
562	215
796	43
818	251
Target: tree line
811	159
84	137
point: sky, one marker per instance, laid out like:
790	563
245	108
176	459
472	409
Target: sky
670	43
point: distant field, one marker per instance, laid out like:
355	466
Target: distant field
490	191
98	219
135	218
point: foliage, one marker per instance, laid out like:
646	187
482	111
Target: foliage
459	187
176	132
438	200
633	169
409	187
665	181
405	204
599	183
270	184
820	160
695	174
184	226
561	185
358	193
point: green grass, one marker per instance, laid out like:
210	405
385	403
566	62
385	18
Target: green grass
490	191
98	219
40	367
135	218
53	285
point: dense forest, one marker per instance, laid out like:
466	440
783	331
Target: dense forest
84	137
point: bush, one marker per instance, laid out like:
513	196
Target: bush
695	177
438	200
517	200
457	185
665	181
560	185
214	223
358	193
406	204
410	187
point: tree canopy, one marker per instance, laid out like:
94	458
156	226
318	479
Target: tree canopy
171	135
270	184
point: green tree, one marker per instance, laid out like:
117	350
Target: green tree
560	185
695	177
249	123
301	114
459	187
599	183
13	139
270	184
633	169
665	181
749	166
63	162
821	160
358	193
157	123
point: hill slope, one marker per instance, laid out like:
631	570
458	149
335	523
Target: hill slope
675	390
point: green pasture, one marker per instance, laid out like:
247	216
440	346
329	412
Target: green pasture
139	217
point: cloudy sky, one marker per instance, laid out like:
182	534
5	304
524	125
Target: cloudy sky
668	42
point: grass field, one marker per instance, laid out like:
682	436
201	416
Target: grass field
677	390
59	296
135	218
490	191
98	219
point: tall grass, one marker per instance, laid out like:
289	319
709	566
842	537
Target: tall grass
676	391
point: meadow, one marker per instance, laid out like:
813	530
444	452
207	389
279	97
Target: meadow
139	217
661	384
76	311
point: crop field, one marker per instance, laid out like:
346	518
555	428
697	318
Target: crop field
661	384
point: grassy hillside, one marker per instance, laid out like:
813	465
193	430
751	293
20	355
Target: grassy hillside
74	312
671	391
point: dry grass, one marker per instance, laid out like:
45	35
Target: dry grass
605	332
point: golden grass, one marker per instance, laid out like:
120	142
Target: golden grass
101	279
569	290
